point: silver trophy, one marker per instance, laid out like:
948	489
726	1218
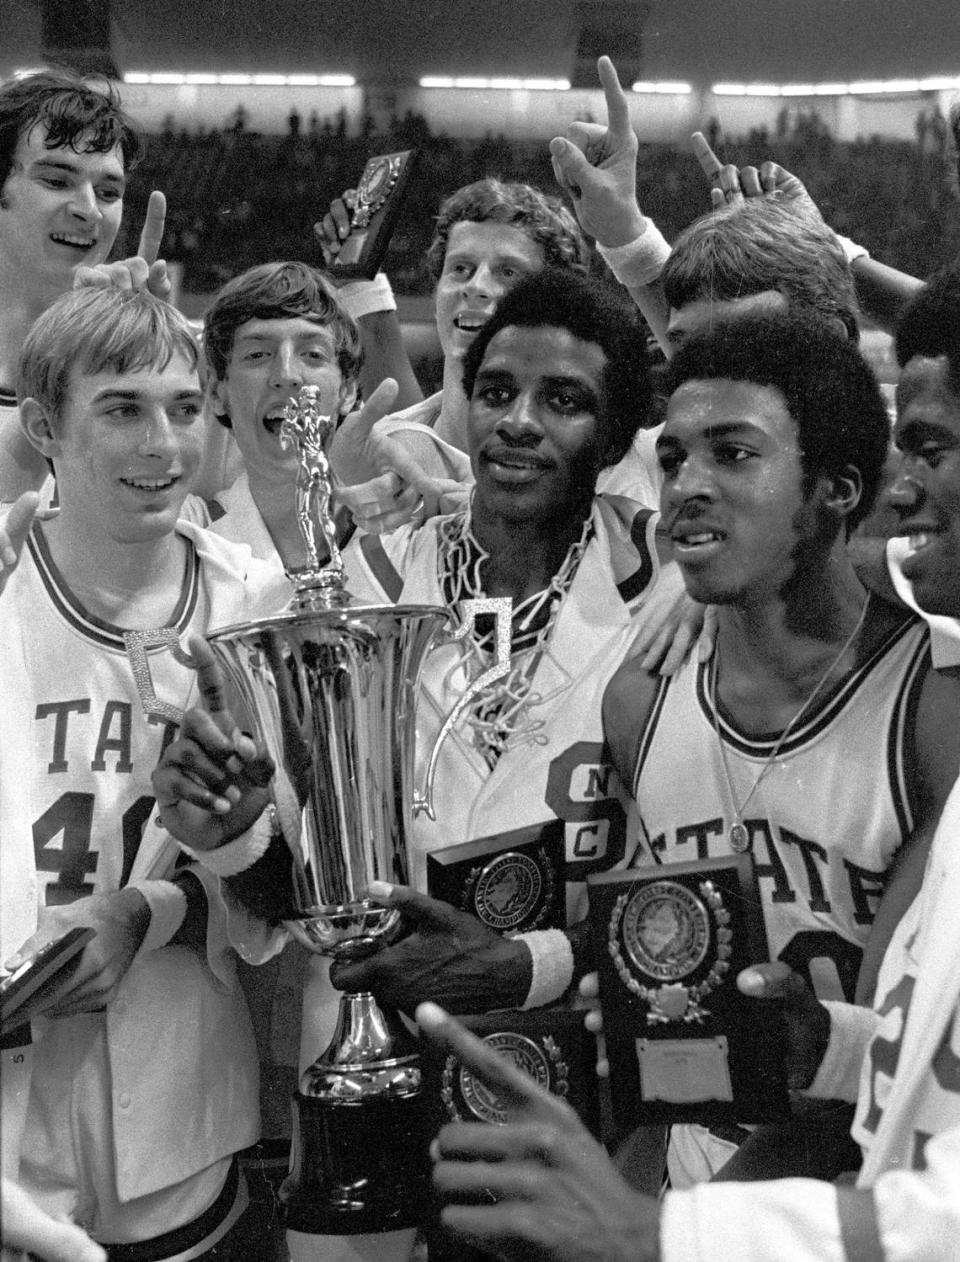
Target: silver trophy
330	687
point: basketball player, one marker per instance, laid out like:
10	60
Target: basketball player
815	737
66	148
131	1127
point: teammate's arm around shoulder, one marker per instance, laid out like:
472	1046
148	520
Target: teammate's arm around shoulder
627	703
934	763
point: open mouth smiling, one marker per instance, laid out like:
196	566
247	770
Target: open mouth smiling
74	242
469	323
151	484
274	419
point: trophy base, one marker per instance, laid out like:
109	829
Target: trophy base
357	1168
360	1161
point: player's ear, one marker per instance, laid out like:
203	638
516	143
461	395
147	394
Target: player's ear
348	397
39	428
216	392
844	490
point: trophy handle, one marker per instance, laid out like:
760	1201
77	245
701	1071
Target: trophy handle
136	644
502	609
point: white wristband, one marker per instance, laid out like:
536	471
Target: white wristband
851	250
241	853
552	957
168	906
366	297
641	260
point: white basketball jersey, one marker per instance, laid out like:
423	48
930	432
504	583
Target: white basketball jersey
824	821
102	706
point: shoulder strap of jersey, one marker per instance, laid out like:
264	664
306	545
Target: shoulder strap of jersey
381	567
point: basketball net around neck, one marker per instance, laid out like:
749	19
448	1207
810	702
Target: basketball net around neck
500	716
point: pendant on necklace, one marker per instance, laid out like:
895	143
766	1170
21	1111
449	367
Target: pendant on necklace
739	838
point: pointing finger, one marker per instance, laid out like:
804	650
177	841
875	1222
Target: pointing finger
210	681
153	222
510	1084
618	111
710	164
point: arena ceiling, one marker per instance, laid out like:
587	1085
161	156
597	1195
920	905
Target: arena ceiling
389	40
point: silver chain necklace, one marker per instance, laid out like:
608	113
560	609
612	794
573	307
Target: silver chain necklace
739	835
499	716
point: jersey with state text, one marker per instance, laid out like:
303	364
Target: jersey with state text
556	775
824	819
104	704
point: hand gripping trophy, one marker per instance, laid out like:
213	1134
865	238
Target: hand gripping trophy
330	687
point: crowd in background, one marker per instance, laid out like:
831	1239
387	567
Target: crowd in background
238	197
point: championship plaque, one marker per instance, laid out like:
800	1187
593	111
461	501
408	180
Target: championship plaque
376	205
513	884
683	1043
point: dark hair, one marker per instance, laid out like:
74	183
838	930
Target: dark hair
827	385
593	312
72	109
930	323
758	245
274	291
544	219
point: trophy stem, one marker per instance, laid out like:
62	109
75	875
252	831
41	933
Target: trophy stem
359	1162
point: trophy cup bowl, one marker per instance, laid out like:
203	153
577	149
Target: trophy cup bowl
330	688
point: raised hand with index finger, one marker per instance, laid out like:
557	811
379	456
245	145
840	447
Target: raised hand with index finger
730	183
144	270
597	165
